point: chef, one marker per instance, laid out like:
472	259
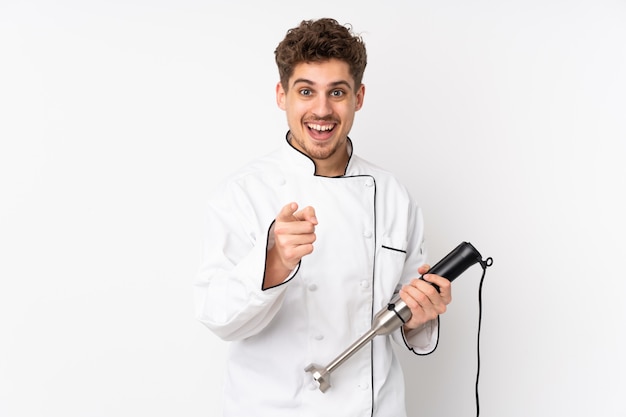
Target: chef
305	244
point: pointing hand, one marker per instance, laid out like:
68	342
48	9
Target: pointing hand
294	234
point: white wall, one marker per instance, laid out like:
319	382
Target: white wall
504	118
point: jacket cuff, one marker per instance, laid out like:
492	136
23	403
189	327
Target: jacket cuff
424	339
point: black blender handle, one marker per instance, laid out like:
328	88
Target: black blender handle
456	262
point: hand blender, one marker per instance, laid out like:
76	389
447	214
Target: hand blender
397	312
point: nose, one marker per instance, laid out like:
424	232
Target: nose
322	106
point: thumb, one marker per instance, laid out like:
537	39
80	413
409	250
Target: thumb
422	270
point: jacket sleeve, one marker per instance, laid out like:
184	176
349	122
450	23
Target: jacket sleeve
423	340
228	294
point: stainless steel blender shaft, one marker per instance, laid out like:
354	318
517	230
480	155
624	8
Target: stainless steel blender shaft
386	321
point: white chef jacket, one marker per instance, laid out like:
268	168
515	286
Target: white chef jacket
369	242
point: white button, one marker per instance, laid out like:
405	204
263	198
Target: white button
365	284
313	386
364	386
367	234
312	287
369	183
318	337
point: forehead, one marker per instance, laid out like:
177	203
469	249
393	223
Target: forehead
322	74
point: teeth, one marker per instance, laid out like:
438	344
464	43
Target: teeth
321	128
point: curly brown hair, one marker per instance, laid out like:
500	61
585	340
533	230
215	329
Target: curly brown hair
318	41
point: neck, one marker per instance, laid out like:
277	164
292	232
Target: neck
335	168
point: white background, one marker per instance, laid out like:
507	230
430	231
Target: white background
504	118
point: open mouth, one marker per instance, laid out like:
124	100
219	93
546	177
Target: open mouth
321	128
321	131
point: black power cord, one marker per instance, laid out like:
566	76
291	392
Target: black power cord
484	264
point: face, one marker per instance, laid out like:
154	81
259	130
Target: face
320	104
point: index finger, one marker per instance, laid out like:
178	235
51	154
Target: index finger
286	214
307	213
436	281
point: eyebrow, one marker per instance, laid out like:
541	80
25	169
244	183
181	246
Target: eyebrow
333	84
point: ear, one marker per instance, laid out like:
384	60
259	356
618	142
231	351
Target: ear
360	95
280	95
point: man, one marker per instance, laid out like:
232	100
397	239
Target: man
304	245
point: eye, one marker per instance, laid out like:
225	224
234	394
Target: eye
305	92
337	93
